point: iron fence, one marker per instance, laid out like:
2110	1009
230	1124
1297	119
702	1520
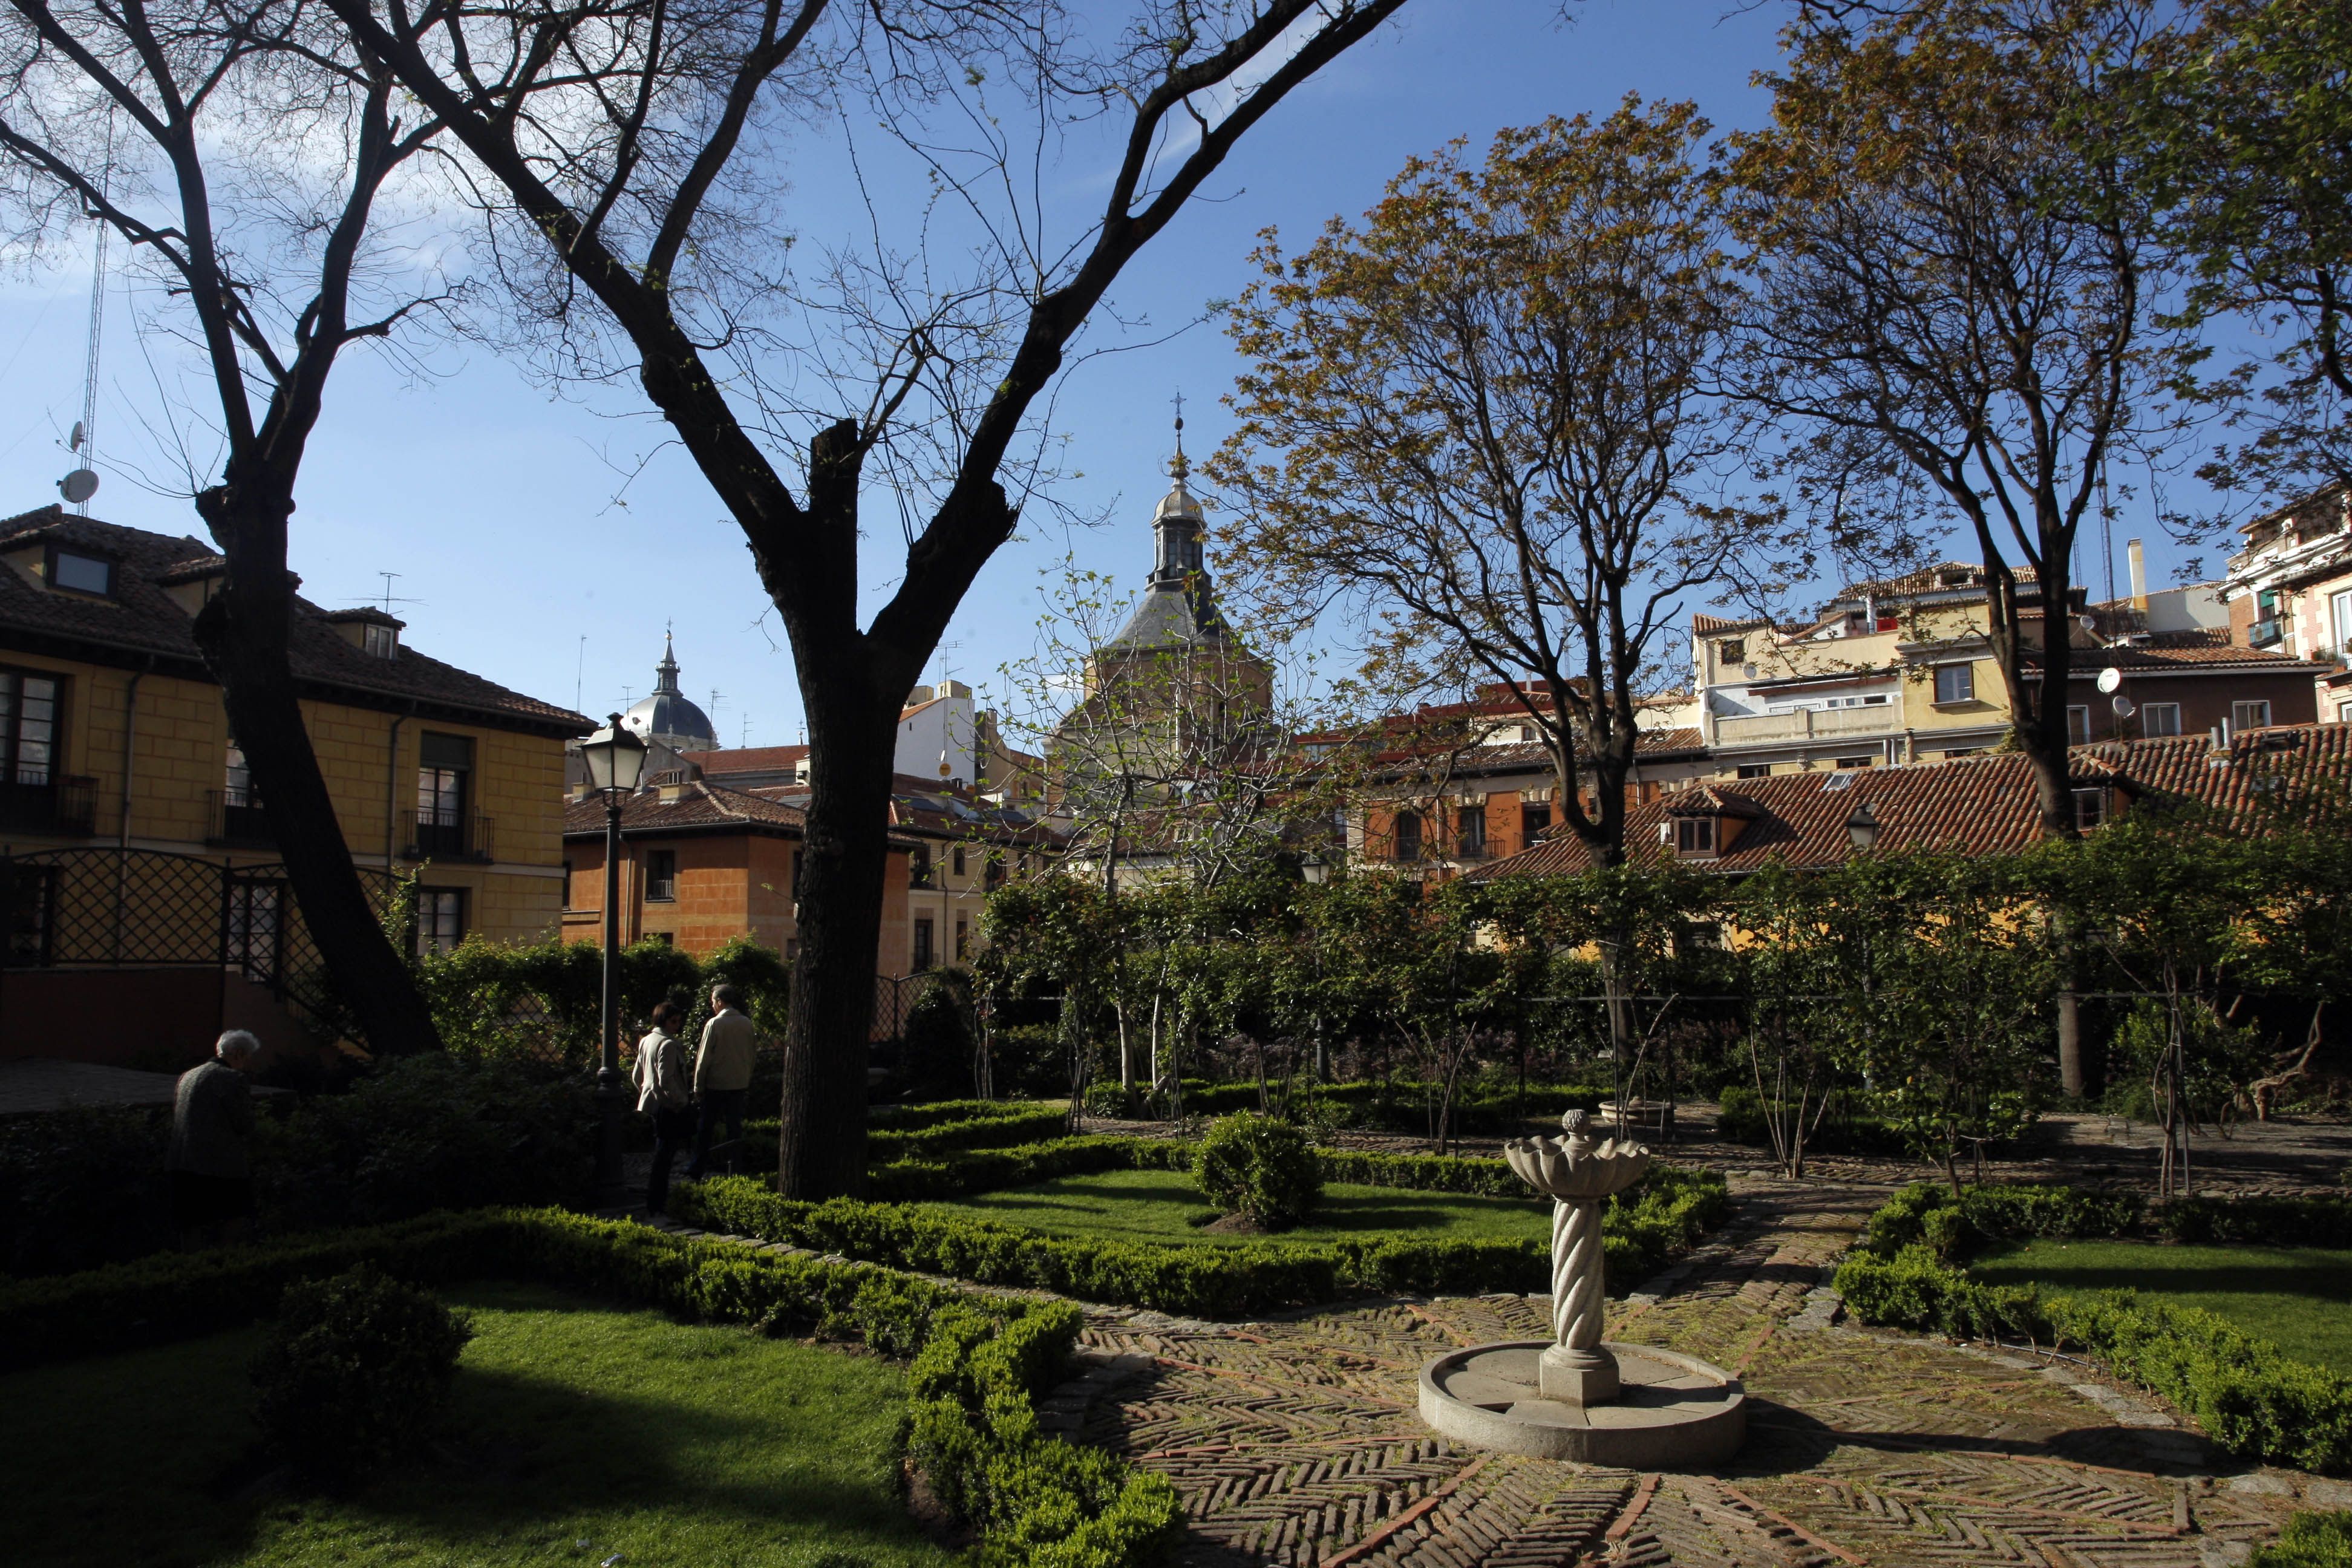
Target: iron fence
111	907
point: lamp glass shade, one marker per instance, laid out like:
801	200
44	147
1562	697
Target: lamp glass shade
615	757
1314	868
1862	827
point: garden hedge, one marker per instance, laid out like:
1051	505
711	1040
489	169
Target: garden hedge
2248	1396
1955	1227
1640	1230
979	1363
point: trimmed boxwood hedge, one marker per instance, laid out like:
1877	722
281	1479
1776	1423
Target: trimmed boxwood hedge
928	1137
2248	1396
1668	1210
979	1362
1956	1228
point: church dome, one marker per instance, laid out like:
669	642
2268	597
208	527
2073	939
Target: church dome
668	715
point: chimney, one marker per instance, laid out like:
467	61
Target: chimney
2138	576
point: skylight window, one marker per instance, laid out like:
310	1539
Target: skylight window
81	574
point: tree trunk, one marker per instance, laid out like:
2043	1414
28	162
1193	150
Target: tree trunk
243	635
821	1144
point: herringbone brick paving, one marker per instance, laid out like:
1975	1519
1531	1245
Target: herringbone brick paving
1295	1442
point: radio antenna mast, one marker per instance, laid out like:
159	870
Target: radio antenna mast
82	483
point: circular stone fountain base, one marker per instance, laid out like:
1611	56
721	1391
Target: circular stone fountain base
1675	1411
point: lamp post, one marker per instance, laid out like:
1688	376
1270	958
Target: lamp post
616	761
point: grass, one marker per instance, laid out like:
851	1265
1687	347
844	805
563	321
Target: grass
2298	1298
579	1430
1154	1205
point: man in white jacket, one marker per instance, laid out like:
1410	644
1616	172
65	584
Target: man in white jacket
723	1078
664	1094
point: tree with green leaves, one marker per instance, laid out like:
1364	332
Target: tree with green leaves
2241	128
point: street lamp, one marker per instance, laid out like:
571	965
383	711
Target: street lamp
1314	868
1862	827
616	761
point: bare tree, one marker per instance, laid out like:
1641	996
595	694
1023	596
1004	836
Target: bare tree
664	209
245	151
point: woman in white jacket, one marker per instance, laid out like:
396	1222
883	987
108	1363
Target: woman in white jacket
664	1093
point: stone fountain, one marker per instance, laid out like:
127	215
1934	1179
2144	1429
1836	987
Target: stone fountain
1575	1396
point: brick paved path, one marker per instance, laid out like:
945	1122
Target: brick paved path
1295	1442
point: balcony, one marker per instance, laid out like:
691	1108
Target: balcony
2268	632
65	808
1808	724
450	836
235	820
1467	853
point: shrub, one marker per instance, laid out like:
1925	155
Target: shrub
354	1372
1261	1167
2249	1397
427	1132
2309	1541
78	1188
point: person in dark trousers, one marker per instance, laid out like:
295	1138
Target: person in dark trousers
664	1094
210	1172
723	1078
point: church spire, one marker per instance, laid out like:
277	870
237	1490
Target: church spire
666	672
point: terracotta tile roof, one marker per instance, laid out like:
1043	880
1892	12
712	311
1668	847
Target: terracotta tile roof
747	760
1523	756
698	807
923	810
2174	650
142	618
1712	626
1981	806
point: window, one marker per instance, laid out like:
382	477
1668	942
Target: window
29	728
2339	620
1755	771
1695	835
993	871
382	642
2078	726
2089	808
2344	713
1702	936
796	876
2160	719
1470	831
1956	683
1847	764
237	785
2249	715
1731	650
446	764
958	860
440	919
1533	820
1408	835
254	927
661	876
241	819
963	939
1958	751
922	943
919	869
82	573
568	902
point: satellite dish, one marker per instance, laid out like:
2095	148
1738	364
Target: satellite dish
78	486
2090	623
2125	707
74	440
2111	680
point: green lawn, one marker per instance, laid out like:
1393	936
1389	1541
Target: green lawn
2298	1298
1154	1205
579	1430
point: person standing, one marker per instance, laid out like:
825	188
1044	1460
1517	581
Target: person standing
723	1078
210	1172
664	1094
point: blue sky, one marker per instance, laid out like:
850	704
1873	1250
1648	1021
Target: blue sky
496	504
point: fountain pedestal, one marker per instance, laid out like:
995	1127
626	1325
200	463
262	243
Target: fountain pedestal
1574	1396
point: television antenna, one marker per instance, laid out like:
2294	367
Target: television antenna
81	484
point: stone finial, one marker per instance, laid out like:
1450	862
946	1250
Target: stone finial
1573	1125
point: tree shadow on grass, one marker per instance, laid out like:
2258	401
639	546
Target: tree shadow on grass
141	1459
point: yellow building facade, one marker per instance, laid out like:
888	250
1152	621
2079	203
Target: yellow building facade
113	736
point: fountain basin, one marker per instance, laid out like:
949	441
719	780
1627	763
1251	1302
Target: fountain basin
1672	1411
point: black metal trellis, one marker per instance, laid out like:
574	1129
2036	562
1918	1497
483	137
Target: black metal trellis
117	908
